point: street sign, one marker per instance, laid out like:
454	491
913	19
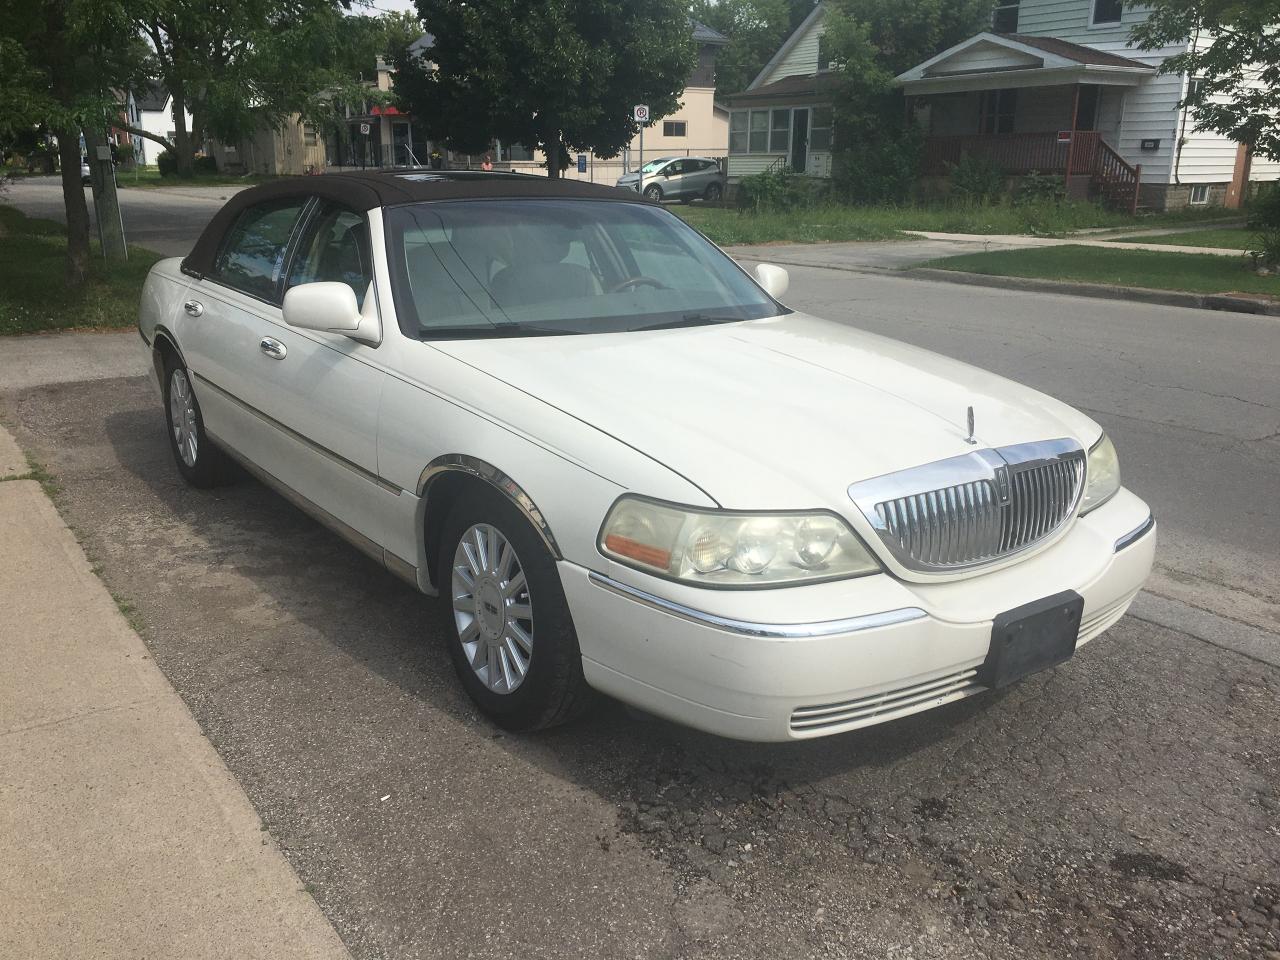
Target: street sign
364	129
640	113
1064	136
582	163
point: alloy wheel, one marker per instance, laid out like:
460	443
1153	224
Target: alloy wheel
182	417
492	609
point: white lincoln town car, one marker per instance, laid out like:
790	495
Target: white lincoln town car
625	466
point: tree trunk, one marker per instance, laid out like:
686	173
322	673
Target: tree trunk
551	150
73	200
183	152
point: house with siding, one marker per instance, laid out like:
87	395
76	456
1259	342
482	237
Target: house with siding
1055	87
783	118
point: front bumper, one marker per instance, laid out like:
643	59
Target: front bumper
810	661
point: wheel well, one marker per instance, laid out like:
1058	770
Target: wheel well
468	475
441	494
162	350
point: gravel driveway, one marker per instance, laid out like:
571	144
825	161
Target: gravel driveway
1125	805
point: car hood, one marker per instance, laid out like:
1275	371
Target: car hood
781	413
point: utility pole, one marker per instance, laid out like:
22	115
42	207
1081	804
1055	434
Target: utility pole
106	202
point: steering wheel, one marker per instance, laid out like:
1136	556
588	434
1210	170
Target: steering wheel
637	281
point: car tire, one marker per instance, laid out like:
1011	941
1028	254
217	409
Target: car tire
510	637
200	462
714	192
653	192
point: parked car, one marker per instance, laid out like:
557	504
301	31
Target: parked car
85	176
677	178
625	466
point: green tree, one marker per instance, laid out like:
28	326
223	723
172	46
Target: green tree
59	60
755	28
1235	55
551	74
873	41
238	65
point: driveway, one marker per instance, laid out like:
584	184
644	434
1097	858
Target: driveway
1126	804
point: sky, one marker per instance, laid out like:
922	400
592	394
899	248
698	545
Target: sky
375	7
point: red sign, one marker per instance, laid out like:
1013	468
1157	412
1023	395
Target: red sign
1064	136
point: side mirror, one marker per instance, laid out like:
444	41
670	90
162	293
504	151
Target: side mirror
773	278
331	308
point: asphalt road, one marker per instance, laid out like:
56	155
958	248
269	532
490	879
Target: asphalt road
166	220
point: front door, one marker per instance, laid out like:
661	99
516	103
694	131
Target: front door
800	140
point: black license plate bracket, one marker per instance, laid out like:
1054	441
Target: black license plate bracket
1031	638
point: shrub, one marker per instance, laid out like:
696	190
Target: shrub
1040	190
168	164
881	170
1264	220
773	190
976	179
204	165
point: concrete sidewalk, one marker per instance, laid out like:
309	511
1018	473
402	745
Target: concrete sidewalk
1013	242
122	833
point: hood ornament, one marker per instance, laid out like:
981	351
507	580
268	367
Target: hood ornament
969	418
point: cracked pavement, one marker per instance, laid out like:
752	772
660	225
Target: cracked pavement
1126	804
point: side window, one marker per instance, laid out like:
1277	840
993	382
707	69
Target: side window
252	255
335	248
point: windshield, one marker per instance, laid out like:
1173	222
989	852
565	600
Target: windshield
483	268
653	165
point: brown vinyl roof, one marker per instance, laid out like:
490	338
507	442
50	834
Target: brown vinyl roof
812	85
1074	51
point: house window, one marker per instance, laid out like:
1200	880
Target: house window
780	131
996	111
759	140
507	152
1004	18
1199	193
820	131
674	128
1107	11
824	53
309	137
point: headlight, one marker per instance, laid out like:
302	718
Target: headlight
1103	475
713	548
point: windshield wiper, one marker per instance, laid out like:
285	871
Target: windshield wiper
688	320
476	332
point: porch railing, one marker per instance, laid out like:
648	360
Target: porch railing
1112	177
1014	152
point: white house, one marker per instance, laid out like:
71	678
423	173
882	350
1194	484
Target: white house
152	110
1054	86
783	118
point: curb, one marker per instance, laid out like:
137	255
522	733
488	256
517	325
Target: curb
1103	291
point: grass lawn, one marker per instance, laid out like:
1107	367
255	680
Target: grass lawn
1226	239
1196	272
149	177
34	295
828	223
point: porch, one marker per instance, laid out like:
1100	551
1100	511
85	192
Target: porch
1090	167
1030	104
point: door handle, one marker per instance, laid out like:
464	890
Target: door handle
273	348
193	307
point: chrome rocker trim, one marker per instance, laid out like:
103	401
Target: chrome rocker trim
768	631
1137	533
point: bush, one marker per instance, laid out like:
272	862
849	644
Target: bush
879	170
1264	220
773	190
168	164
204	165
1040	190
976	179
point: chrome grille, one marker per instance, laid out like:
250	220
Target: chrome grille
975	508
